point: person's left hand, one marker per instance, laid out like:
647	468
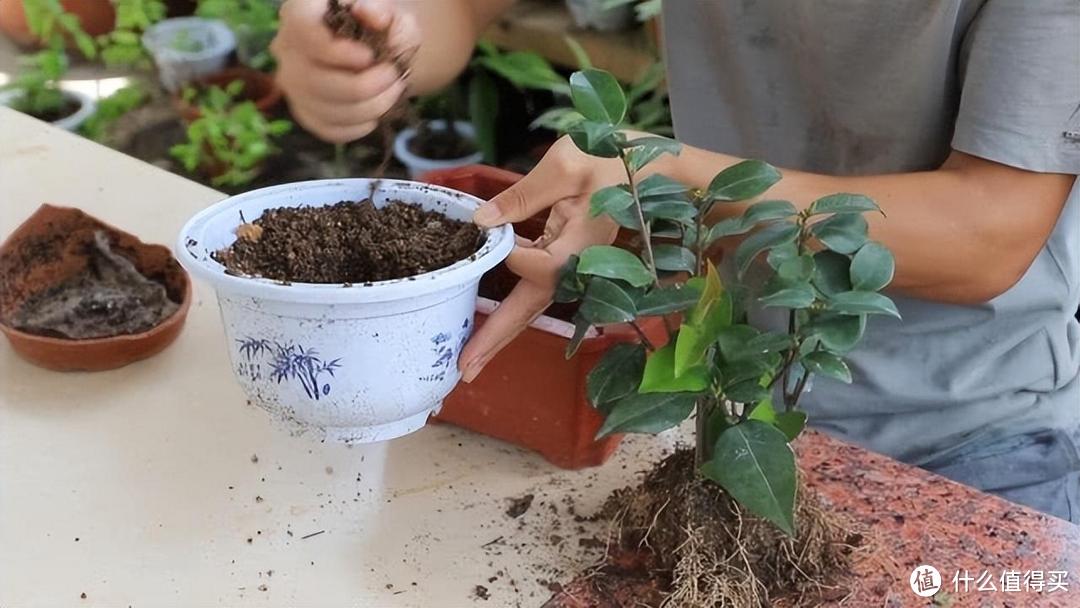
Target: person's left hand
564	181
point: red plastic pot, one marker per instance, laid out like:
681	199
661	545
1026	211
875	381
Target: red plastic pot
96	17
530	394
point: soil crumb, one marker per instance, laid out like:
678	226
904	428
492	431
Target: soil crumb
110	299
518	506
349	242
481	592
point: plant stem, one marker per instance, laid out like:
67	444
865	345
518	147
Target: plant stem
339	160
701	440
646	237
641	334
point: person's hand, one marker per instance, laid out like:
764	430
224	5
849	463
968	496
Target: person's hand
564	181
335	87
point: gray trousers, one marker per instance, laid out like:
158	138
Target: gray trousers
1040	470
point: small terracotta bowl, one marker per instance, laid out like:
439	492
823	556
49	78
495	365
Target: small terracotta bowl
50	247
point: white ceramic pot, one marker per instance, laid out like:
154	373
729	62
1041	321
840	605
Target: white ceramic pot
353	363
214	41
418	165
71	122
591	14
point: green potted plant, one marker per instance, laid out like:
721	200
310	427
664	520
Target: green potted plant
20	19
123	45
229	141
254	22
188	48
741	385
109	109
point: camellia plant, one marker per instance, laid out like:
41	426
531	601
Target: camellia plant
229	141
741	384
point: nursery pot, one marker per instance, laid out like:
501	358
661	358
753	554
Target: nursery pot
85	107
96	17
259	88
418	165
49	248
530	394
354	363
591	14
212	42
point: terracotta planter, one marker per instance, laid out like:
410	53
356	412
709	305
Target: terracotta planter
259	88
530	394
97	17
50	247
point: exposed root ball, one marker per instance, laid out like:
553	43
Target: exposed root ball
715	553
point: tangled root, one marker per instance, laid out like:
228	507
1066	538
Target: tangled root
716	554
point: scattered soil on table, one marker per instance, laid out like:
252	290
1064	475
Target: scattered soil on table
349	242
685	539
481	592
518	506
110	299
440	143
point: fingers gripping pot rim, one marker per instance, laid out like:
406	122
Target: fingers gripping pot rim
353	363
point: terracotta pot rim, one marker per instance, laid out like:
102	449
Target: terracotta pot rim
176	318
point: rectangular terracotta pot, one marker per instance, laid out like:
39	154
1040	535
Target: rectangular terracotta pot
530	394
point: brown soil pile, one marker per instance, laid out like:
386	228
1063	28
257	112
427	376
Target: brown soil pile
711	552
349	242
111	298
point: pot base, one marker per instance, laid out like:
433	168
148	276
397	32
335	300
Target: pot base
382	432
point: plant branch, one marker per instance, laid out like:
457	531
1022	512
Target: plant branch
641	334
646	237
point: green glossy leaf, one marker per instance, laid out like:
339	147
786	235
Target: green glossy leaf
610	200
561	120
660	375
767	210
743	180
525	70
657	185
843	203
768	237
594	138
764	412
862	303
753	462
644	150
614	263
768	342
733	340
787	294
668	299
581	328
872	267
729	227
778	255
674	258
839	333
571	286
607	302
648	413
827	364
842	233
800	268
791	424
616	375
831	272
691	345
669	209
746	391
598	96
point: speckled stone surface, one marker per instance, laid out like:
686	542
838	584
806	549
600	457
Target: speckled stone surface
914	518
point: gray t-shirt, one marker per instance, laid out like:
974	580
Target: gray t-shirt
850	87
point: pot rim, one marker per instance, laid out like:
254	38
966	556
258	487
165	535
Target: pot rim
158	37
71	122
197	259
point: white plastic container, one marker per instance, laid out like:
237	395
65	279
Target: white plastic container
358	363
71	122
591	14
212	42
418	165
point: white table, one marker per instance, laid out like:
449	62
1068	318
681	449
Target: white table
138	488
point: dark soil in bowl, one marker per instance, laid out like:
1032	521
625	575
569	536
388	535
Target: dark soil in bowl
68	108
440	143
349	242
110	298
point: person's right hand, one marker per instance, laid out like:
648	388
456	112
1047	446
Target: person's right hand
334	86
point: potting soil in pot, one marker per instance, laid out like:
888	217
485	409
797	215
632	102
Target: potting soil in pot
440	143
349	242
110	298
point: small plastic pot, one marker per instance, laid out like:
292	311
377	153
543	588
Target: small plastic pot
49	248
353	363
96	17
418	165
71	122
259	88
591	14
212	42
530	394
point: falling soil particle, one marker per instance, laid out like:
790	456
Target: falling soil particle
329	470
518	506
254	458
82	596
481	592
263	587
258	499
111	298
351	242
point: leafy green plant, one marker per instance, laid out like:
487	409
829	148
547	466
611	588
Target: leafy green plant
112	108
255	22
123	46
229	141
741	384
48	20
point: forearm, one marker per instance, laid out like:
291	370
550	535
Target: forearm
963	233
449	29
